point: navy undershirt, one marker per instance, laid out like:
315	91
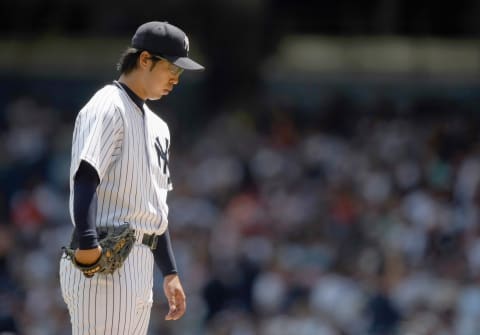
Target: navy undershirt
84	185
86	181
135	98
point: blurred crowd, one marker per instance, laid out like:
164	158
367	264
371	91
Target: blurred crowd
351	220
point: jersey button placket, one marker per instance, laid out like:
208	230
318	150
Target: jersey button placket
150	167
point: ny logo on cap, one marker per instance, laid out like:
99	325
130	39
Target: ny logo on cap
186	44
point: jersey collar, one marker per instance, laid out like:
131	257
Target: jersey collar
135	98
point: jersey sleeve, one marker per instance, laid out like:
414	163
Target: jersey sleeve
97	138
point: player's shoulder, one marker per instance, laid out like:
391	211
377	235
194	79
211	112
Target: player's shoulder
108	95
106	100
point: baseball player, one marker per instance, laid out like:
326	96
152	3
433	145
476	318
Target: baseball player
120	175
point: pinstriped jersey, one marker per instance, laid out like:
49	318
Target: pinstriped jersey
129	148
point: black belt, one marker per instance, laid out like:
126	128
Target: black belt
150	240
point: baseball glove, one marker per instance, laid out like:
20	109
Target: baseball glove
116	243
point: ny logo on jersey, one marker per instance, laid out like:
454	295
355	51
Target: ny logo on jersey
162	153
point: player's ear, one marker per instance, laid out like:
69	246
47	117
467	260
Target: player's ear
143	59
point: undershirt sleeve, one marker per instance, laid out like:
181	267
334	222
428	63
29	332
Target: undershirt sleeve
85	184
163	255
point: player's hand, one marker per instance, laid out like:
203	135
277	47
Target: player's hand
175	296
88	256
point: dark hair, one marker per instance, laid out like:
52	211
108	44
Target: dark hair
128	60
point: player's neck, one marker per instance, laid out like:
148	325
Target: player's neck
134	84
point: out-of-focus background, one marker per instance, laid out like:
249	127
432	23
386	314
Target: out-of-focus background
326	166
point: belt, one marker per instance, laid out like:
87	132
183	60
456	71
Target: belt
150	240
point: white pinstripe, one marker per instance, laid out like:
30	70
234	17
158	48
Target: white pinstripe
128	149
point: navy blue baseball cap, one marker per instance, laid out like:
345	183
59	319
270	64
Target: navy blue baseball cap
165	40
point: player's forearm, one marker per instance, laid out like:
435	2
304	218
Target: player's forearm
85	184
163	255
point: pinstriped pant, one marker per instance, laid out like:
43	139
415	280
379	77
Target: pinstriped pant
110	304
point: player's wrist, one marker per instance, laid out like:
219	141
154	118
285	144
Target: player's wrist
87	242
173	273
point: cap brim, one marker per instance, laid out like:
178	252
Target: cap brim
186	63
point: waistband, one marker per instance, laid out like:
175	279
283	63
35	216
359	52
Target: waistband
150	240
141	237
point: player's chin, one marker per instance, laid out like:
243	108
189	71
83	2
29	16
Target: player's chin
164	93
158	96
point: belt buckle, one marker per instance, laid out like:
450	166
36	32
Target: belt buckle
150	240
